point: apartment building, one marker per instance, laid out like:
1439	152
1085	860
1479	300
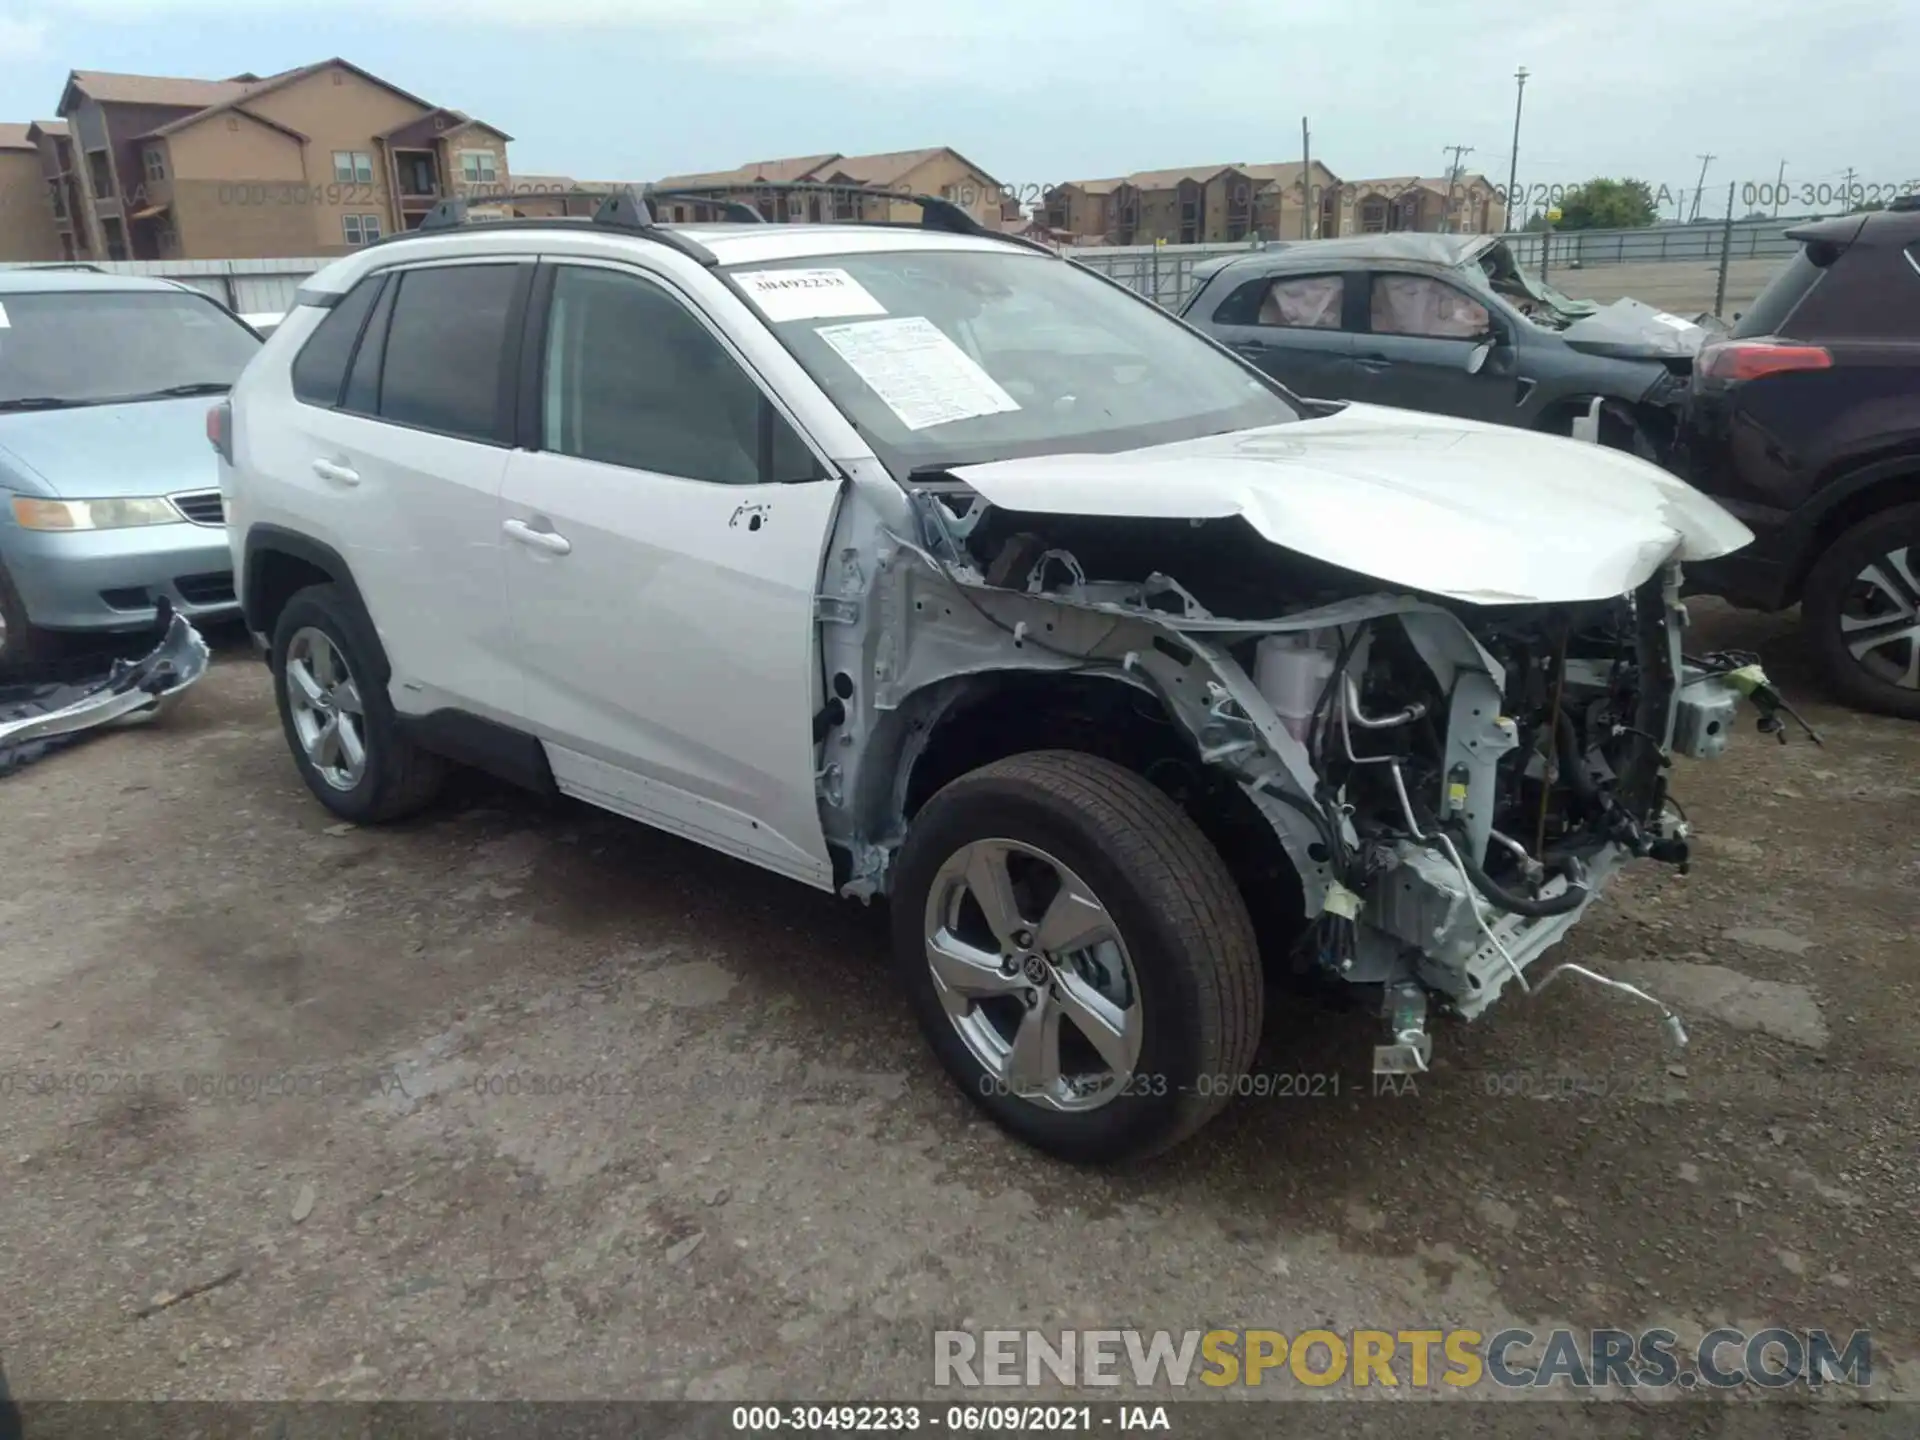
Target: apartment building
1195	205
1470	206
935	171
27	231
316	160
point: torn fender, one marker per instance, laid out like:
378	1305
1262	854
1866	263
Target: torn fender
1482	513
34	718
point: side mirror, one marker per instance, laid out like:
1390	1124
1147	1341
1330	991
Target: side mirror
1477	357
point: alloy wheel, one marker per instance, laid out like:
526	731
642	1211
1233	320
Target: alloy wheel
1034	975
1880	619
327	713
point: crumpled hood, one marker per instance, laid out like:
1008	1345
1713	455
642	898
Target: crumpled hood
1634	330
97	452
1482	513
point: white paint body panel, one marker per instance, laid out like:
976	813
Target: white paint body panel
669	657
1482	513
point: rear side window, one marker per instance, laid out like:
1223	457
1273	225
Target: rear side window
1870	293
1795	280
446	348
320	369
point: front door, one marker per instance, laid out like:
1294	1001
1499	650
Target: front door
1421	332
664	534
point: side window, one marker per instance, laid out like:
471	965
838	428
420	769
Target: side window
631	378
1420	305
1303	302
446	345
320	369
363	380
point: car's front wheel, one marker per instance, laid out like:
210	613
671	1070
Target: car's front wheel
1862	611
338	720
1077	954
22	643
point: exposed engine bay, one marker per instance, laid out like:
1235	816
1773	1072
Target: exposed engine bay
1448	783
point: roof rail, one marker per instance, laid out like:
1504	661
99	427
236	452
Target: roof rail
936	213
71	265
733	210
621	211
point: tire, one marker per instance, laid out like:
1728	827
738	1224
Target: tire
23	645
1861	576
394	777
1185	947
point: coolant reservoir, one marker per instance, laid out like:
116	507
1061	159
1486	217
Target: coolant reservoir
1292	673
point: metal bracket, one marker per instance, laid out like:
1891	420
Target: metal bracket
836	610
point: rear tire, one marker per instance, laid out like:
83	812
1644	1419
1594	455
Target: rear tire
363	768
1159	938
1862	594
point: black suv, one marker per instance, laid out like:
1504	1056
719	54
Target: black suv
1805	423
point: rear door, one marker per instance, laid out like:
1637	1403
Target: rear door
665	523
1292	326
1420	331
396	453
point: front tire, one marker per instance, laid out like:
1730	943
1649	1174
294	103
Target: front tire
23	645
1861	608
1077	955
337	718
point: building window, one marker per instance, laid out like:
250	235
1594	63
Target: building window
116	238
352	167
57	192
100	174
478	167
360	229
154	160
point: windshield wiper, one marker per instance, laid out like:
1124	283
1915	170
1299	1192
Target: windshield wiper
192	387
42	402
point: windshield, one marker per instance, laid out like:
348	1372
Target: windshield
84	347
943	358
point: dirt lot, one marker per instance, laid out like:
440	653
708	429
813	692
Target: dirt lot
1686	288
238	1036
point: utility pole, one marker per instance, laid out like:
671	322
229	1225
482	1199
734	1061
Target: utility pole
1453	176
1306	182
1705	160
1513	157
1848	192
1779	184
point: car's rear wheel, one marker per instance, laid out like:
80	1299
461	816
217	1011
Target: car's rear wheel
1077	955
338	720
22	643
1862	611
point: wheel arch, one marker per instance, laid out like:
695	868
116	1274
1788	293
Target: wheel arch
1843	502
955	726
278	563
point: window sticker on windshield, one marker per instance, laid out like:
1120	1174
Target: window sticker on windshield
1675	321
5	323
808	294
913	366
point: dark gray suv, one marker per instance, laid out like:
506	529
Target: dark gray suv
1422	322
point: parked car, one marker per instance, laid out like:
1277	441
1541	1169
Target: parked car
1447	323
1806	424
1113	665
108	499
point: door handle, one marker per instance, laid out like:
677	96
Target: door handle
538	539
338	474
1375	363
1253	349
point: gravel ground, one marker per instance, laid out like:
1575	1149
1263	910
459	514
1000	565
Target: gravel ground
771	1191
1684	287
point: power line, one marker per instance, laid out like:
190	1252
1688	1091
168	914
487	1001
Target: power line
1453	175
1698	190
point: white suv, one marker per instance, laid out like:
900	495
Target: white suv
910	559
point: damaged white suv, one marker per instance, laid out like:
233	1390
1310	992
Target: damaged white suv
912	560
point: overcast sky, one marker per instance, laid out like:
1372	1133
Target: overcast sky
1039	91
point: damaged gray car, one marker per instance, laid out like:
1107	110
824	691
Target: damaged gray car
1451	324
949	572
